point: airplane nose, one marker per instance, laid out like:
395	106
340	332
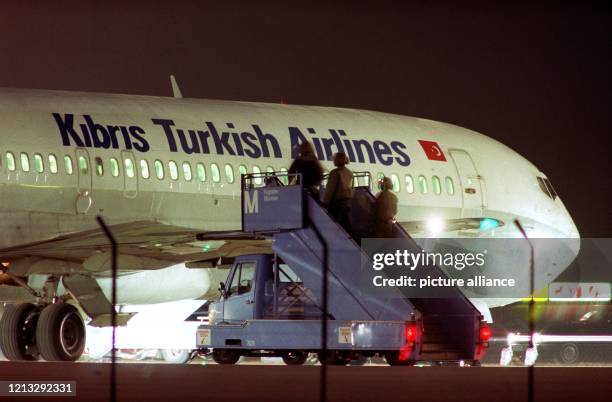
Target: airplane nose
568	226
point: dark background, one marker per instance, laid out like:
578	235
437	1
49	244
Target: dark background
537	78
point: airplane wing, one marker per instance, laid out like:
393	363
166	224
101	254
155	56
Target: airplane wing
158	243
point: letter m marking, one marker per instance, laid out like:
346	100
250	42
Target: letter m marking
251	205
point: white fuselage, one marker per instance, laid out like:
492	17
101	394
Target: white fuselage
37	203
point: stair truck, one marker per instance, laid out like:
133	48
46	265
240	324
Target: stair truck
271	303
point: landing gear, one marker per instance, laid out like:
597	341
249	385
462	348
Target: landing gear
60	333
18	332
226	356
295	357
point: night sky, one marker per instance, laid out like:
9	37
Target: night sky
535	78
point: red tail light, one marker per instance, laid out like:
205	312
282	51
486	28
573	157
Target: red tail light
411	332
485	332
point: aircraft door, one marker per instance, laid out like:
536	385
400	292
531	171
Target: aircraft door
130	178
240	303
472	184
84	198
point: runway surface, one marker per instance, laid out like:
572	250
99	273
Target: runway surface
166	382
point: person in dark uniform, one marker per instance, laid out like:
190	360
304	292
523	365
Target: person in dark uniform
339	191
309	166
385	209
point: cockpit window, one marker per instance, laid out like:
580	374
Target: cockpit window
551	189
547	187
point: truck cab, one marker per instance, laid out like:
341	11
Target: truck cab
248	293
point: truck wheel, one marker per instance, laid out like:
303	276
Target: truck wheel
176	356
569	353
295	357
332	358
225	356
18	332
392	359
359	360
60	333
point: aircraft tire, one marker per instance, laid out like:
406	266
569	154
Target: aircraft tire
18	330
60	333
176	356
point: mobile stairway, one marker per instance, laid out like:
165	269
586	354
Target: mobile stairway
405	330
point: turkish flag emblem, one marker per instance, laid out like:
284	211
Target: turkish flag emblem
433	150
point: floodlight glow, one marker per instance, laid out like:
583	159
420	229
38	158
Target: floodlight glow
435	226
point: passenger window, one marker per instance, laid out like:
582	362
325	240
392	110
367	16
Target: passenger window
128	163
144	169
242	280
242	170
25	162
229	173
423	184
38	163
10	161
114	164
409	184
200	172
52	163
187	171
450	186
68	164
396	182
257	171
159	169
436	185
270	169
99	166
284	178
83	165
214	171
173	168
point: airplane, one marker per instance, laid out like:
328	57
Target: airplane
160	170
